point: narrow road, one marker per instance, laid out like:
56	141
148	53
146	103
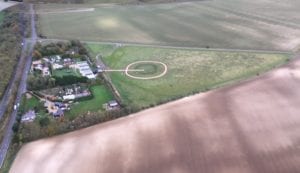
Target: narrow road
22	88
99	62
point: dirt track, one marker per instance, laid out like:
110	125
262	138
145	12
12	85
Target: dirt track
250	128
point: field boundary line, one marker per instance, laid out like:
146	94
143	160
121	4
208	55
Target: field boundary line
78	10
262	18
178	47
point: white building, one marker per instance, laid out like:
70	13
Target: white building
69	97
85	69
57	66
113	103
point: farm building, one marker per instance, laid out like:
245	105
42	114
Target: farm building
85	69
69	97
67	93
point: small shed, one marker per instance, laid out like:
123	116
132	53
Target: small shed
113	103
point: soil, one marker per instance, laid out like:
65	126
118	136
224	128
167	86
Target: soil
252	127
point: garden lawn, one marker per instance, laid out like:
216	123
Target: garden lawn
101	95
1	17
66	72
31	103
189	71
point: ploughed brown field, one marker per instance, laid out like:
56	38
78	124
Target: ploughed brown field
253	127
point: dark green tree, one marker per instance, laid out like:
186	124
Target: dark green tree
44	121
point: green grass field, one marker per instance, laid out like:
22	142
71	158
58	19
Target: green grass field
212	24
1	17
101	95
30	103
66	72
189	71
103	49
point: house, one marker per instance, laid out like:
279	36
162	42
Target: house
36	65
29	116
76	93
55	59
46	71
67	61
37	62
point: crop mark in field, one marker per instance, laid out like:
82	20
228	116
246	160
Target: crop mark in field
108	23
146	62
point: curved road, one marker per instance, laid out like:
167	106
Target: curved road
22	87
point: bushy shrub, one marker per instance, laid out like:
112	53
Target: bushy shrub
44	121
69	80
